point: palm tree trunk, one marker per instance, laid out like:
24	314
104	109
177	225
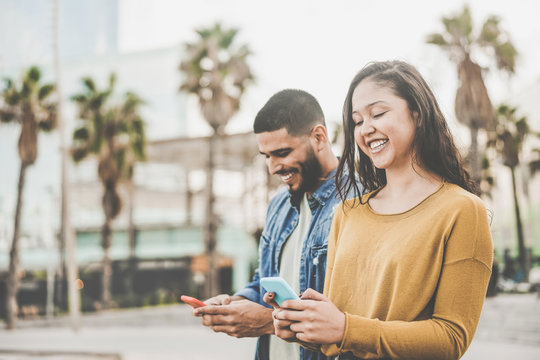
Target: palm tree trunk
474	156
107	267
211	221
132	239
13	276
189	200
522	252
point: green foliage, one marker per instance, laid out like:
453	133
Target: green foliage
473	105
534	165
45	91
28	101
437	39
459	39
490	30
33	74
6	116
215	70
510	134
460	25
104	126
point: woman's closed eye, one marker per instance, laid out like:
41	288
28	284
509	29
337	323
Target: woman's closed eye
379	114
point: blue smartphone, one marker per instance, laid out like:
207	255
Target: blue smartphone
279	287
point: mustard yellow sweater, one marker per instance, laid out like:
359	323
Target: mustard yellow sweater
412	285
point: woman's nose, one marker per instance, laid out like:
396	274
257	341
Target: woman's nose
366	128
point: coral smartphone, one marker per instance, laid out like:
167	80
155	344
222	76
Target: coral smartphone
195	303
279	287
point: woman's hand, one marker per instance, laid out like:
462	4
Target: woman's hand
314	319
281	327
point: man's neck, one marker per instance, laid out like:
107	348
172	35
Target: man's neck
328	163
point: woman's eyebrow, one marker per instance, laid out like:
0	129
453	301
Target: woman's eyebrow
376	102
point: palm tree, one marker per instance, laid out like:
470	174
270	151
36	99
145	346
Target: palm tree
30	106
134	151
215	70
511	132
472	105
115	135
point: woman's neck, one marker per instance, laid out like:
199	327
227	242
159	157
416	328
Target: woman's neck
404	189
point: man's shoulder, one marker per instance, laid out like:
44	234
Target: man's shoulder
281	194
281	198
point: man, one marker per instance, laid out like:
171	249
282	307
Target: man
291	134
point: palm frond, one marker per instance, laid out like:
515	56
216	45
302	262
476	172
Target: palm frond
534	167
506	55
12	97
112	81
7	115
89	83
437	39
33	75
490	31
45	91
48	118
81	134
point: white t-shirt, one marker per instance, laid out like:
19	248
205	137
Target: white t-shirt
289	269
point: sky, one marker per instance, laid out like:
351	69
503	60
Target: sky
314	45
318	46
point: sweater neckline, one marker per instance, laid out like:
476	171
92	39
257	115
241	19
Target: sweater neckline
404	214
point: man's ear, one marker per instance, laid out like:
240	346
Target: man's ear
319	136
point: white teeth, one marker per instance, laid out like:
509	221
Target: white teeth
286	176
377	143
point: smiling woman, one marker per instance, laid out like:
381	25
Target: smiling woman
384	127
409	259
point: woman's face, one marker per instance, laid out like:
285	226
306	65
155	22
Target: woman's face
384	129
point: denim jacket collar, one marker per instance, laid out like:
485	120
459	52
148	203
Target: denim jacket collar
321	195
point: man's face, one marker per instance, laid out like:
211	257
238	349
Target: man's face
292	158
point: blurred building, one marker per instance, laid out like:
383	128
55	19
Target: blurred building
169	187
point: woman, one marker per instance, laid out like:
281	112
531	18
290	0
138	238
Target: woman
409	261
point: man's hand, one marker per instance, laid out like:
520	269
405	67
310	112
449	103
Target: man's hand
222	299
240	318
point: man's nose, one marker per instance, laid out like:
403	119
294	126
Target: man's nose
273	165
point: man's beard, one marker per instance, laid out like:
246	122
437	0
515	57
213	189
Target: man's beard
311	173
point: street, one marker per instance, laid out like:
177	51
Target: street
509	328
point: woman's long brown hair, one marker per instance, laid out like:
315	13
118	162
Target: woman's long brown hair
433	144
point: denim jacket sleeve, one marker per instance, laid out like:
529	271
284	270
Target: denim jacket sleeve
252	290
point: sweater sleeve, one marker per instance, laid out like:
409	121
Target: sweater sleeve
458	302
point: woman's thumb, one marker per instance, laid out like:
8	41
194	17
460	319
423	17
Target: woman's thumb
311	294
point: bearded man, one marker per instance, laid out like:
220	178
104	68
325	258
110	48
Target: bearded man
292	136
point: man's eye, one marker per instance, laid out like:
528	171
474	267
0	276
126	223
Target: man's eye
379	114
282	153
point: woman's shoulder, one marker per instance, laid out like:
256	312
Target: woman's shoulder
358	201
457	196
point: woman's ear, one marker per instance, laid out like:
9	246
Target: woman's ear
415	115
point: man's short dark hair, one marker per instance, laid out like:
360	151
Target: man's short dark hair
295	110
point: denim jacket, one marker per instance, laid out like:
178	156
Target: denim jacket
281	219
